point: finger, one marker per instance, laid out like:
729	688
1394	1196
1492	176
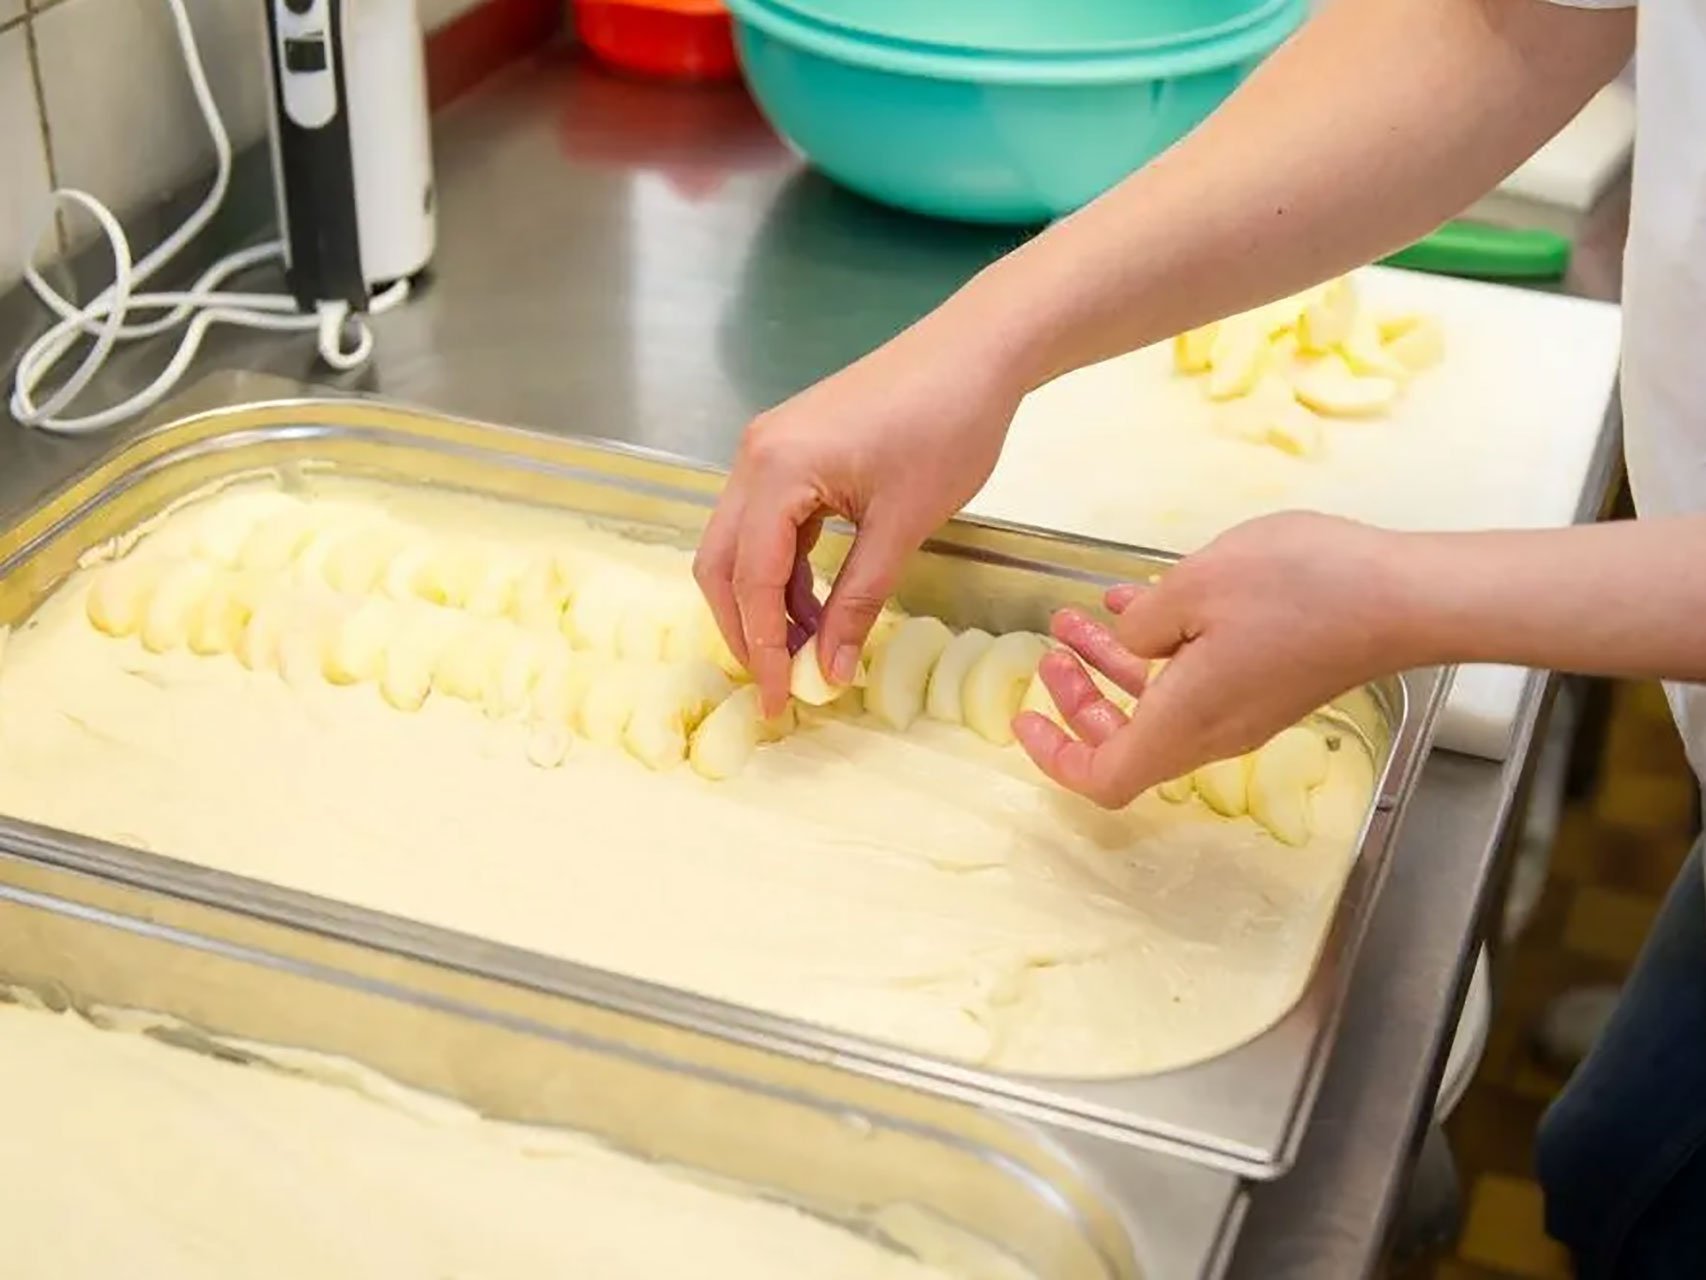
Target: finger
1087	713
861	589
1117	598
1063	758
1096	644
1153	623
764	564
800	595
714	569
1158	742
809	533
1164	738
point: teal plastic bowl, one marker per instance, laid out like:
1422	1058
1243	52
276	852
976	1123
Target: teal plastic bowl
1033	27
985	137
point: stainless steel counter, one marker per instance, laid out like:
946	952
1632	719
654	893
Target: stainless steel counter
648	264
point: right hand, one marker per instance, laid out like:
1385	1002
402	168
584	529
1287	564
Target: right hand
1245	659
896	443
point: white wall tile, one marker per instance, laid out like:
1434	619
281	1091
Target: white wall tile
436	13
23	169
124	120
10	11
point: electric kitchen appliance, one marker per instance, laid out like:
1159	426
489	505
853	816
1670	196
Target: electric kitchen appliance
352	163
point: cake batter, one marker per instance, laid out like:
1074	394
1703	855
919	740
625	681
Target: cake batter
124	1156
926	889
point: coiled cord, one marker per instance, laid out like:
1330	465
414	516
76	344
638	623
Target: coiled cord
109	318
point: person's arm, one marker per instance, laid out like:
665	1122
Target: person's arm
1379	120
1279	616
1622	599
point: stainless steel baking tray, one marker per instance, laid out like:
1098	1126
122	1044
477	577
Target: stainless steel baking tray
1067	1206
1243	1111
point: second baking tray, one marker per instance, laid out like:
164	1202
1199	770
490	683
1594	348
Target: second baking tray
1243	1111
1062	1205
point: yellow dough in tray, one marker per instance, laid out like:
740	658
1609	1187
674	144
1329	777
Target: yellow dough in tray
518	726
124	1156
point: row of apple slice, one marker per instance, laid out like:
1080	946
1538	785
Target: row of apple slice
922	668
1272	784
1279	369
653	675
609	607
918	666
636	640
597	601
604	605
661	711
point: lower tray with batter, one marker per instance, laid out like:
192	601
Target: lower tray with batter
197	1099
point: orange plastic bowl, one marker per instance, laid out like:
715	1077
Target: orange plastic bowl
675	39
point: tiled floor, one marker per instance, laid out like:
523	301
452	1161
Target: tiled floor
1617	850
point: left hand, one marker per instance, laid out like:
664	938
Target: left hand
1266	624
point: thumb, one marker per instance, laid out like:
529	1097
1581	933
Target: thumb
1152	623
861	589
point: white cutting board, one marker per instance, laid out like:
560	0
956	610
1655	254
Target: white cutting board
1500	435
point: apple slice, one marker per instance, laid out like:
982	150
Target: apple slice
1225	786
1332	388
1282	774
1327	319
1239	355
1193	350
1417	343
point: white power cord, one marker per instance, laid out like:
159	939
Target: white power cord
107	318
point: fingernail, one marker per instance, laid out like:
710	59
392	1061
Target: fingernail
846	664
1065	621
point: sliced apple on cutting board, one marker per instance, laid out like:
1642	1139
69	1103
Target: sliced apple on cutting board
1333	388
1272	414
1277	372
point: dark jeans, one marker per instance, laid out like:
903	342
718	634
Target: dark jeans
1622	1154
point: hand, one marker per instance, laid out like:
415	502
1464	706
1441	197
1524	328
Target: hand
896	443
1266	624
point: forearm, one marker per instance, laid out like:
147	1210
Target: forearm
1621	599
1380	120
